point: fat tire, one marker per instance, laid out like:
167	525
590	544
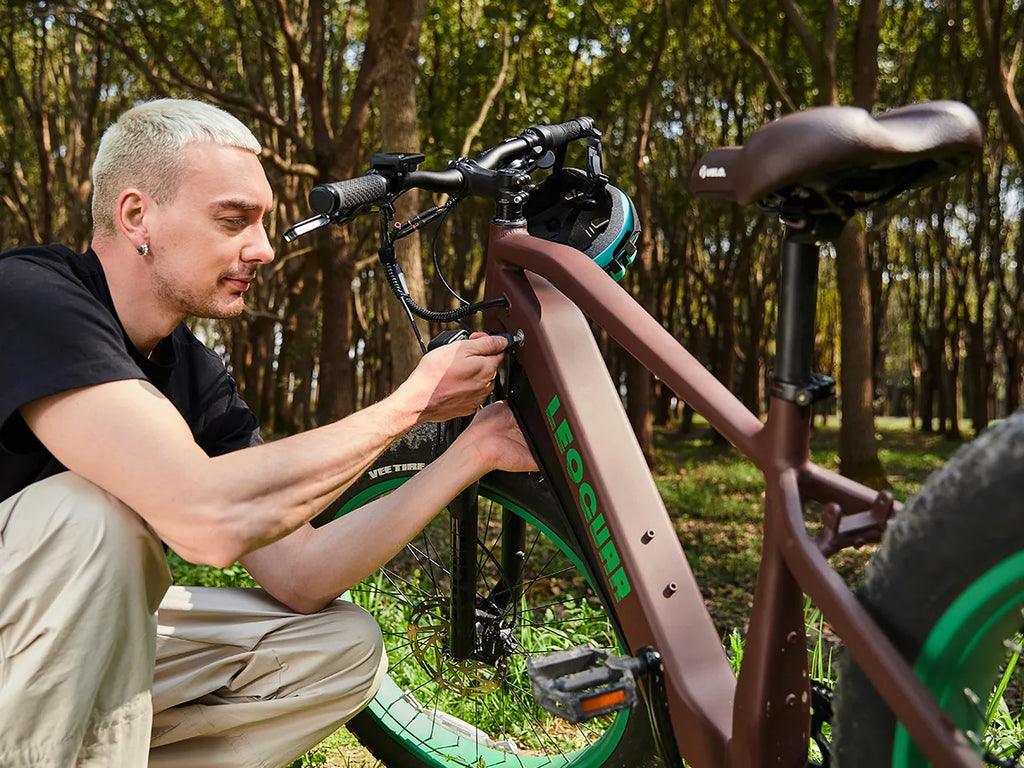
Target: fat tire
530	491
966	519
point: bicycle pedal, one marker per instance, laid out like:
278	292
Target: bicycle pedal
584	682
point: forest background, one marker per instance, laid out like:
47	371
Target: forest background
922	308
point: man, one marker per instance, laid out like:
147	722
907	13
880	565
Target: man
99	376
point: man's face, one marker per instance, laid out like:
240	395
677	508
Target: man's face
207	243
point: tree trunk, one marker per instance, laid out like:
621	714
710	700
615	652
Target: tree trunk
725	341
638	406
858	452
951	389
1013	380
978	378
335	393
396	91
291	409
662	404
927	401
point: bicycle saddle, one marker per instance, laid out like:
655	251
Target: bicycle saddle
842	152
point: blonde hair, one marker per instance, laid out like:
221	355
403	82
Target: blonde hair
145	148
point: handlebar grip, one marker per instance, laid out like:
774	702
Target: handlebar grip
338	195
555	136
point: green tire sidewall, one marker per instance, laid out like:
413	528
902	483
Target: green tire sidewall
964	648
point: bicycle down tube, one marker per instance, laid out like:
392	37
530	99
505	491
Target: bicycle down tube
762	719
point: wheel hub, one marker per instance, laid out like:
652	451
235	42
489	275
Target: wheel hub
427	633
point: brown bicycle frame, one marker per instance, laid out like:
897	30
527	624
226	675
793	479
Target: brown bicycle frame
761	718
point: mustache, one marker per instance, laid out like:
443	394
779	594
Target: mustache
240	276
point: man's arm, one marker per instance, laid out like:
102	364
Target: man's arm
310	567
125	437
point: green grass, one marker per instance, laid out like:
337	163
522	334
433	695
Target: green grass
715	498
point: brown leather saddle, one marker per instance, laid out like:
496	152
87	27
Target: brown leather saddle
839	159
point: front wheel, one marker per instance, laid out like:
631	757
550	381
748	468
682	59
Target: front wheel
433	710
947	586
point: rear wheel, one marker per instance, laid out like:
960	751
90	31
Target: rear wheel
433	710
948	586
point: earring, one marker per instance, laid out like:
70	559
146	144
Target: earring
143	249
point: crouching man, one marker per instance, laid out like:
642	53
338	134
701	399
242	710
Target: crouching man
120	432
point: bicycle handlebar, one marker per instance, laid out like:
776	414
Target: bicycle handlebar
349	193
336	196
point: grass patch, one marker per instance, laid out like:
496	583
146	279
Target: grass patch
715	498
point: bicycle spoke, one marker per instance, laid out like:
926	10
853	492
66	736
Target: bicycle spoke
545	576
433	720
431	561
427	568
486	528
388	575
533	727
529	585
535	579
571	599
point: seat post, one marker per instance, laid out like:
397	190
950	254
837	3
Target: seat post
798	296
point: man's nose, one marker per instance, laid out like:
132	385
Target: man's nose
260	249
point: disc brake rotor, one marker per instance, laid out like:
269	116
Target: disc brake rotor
427	633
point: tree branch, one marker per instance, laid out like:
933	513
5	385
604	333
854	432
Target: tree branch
345	147
286	166
822	53
774	81
808	40
176	77
996	75
488	102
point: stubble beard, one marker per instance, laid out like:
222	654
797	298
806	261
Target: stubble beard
192	303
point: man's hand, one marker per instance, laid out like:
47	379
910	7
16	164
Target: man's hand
496	436
455	379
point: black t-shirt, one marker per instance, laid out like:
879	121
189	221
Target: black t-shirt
59	331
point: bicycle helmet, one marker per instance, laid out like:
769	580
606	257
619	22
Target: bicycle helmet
592	216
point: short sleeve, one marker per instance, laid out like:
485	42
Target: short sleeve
220	419
54	336
230	425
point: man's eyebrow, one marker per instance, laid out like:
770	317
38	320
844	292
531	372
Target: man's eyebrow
236	205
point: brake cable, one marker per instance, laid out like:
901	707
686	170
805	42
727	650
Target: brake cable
396	278
433	253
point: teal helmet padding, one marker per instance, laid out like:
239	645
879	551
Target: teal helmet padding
601	222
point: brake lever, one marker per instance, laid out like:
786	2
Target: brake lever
314	223
306	226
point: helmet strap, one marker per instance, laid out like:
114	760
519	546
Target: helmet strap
595	171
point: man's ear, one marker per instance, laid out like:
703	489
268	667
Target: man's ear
130	216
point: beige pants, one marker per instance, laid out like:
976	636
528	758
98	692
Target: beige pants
93	674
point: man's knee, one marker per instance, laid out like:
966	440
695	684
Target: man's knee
97	536
353	650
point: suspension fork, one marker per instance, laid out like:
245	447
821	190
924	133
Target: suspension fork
509	588
462	639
